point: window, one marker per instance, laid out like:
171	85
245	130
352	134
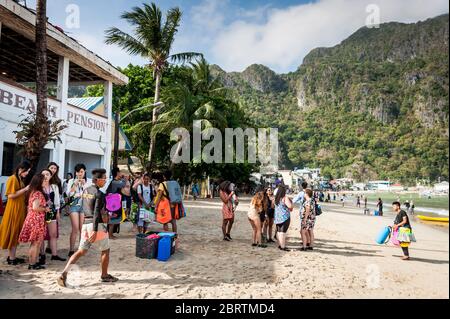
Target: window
10	159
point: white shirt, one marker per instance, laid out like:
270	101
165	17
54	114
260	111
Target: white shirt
145	191
79	190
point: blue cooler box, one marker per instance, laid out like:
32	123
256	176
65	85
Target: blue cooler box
173	237
383	235
164	247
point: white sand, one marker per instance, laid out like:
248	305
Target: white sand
347	263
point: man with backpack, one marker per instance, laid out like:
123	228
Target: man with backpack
114	202
169	192
94	231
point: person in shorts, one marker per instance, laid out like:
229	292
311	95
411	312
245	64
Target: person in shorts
146	193
283	209
75	189
94	232
164	192
270	215
308	220
116	186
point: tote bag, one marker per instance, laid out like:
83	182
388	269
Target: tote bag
163	213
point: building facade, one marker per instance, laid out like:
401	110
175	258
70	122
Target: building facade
89	136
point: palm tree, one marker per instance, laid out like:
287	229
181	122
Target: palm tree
153	40
199	97
36	129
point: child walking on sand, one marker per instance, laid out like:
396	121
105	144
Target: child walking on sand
402	225
94	231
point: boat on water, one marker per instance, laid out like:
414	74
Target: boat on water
433	219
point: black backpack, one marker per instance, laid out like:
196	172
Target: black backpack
134	195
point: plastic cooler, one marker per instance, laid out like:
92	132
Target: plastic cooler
164	248
383	235
146	248
173	237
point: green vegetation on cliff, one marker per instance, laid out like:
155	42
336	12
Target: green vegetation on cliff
374	106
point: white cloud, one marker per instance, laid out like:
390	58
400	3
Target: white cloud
111	53
289	34
209	16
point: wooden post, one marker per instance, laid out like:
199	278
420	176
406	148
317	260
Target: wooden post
108	109
59	152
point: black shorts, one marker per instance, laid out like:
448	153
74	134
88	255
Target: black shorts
262	216
283	228
128	200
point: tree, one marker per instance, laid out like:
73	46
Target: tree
36	129
153	40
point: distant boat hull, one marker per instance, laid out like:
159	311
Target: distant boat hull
433	219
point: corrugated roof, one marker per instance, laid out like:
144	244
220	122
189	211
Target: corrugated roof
128	145
86	103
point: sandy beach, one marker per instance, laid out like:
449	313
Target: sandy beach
347	263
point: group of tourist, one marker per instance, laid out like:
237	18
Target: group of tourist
270	208
32	214
96	207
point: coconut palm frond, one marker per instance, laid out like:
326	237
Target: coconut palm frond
173	20
126	41
185	57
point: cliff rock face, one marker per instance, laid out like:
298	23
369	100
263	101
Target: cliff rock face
256	77
379	99
381	71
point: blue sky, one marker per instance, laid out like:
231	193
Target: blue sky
237	33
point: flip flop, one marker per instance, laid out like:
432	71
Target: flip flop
62	281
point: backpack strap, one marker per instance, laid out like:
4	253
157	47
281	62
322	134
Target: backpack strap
152	192
166	191
142	193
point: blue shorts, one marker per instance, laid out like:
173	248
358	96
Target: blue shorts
116	219
76	207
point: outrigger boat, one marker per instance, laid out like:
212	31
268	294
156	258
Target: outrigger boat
433	219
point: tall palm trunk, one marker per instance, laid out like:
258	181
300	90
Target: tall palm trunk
42	127
154	119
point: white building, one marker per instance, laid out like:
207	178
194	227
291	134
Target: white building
441	187
380	185
308	173
287	177
88	139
